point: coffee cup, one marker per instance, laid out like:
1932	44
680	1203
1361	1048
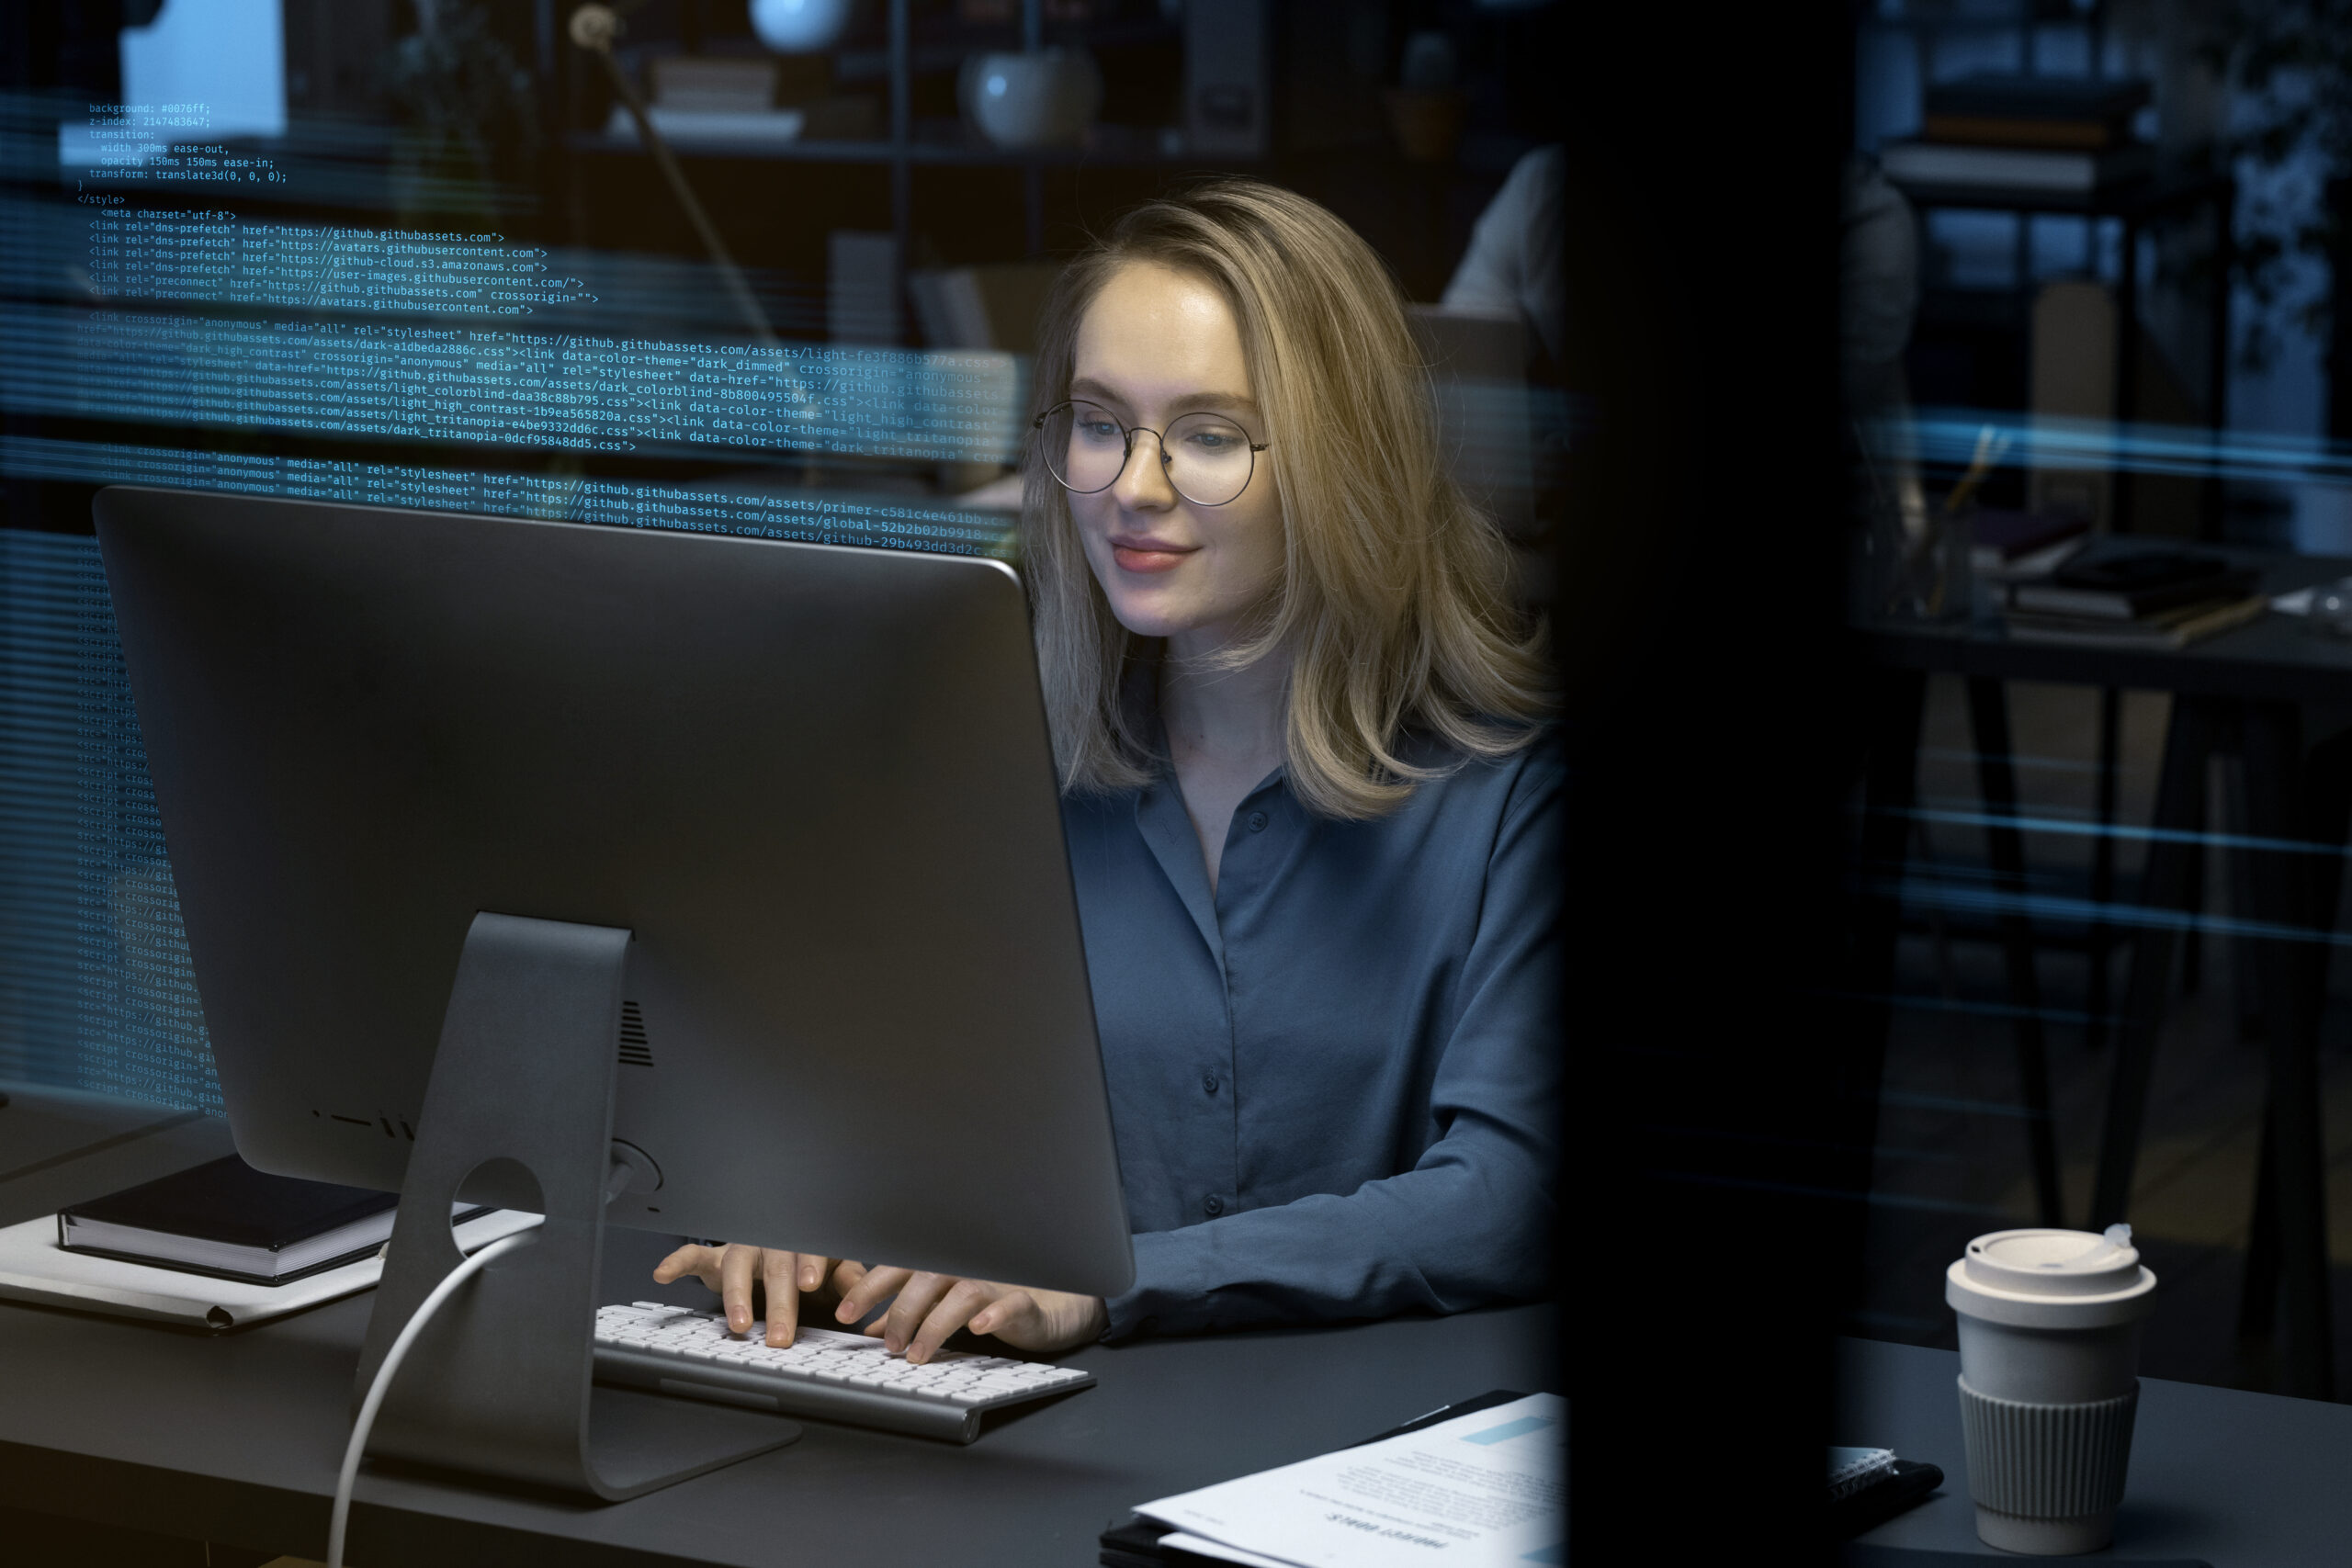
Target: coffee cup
2049	1381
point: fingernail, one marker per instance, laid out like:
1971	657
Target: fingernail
739	1321
846	1312
808	1278
917	1356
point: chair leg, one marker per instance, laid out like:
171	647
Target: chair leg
2282	890
2259	1296
2180	807
2246	966
2110	742
1890	783
2192	940
1988	712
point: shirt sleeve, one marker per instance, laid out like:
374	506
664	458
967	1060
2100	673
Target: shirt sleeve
1471	1224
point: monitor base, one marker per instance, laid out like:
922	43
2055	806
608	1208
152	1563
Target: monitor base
643	1442
499	1382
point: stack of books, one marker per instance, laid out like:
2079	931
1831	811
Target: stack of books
2065	135
2117	594
2008	545
232	1221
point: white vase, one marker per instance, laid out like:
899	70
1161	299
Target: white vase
1041	99
799	26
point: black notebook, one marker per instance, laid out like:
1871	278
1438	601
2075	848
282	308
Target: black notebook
2120	581
229	1221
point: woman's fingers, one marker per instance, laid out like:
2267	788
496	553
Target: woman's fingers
956	1305
871	1290
1050	1321
1011	1315
916	1299
731	1270
738	1267
702	1262
781	1272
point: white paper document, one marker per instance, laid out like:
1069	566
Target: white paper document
33	1267
1484	1489
1202	1546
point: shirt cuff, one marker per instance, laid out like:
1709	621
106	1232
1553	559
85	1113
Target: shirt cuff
1136	1310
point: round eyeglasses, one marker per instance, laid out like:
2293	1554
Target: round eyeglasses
1207	457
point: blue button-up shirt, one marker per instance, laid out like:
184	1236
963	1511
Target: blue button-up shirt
1334	1080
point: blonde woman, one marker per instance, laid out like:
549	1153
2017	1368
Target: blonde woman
1313	834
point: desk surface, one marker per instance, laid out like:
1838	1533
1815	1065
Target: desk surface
2217	1474
2277	656
236	1438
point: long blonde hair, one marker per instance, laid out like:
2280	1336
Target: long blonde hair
1392	603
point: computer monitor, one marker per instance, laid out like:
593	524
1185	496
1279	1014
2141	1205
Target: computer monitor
778	819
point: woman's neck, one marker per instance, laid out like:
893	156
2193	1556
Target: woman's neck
1225	733
1230	720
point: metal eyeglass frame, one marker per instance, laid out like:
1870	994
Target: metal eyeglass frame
1128	434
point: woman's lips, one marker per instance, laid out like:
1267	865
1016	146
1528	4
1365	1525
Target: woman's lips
1146	556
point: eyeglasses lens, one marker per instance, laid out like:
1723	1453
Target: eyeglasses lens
1208	456
1085	446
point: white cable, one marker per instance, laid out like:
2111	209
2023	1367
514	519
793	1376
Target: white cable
341	1517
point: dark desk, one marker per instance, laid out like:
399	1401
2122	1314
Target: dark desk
2230	1477
236	1439
2274	658
2248	691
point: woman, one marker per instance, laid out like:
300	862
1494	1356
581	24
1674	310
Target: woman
1312	834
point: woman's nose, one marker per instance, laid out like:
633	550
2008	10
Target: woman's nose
1143	483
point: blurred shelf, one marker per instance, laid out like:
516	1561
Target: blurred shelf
934	50
2134	198
1141	151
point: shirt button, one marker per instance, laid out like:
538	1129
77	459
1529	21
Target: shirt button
1213	1205
1257	821
1208	1083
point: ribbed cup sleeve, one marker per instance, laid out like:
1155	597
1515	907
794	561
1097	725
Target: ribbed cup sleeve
2047	1461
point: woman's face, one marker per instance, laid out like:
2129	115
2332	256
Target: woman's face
1155	346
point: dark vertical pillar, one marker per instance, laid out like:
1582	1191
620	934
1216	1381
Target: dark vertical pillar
1714	1131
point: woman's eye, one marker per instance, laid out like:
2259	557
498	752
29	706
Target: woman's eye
1099	430
1214	440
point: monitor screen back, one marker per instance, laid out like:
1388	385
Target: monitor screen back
814	782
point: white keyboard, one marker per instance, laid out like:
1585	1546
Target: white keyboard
825	1373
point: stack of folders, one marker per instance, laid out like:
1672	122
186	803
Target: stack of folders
1475	1484
2046	134
2117	594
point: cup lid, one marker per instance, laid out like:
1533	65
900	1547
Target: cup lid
2051	1278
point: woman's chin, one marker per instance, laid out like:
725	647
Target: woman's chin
1148	615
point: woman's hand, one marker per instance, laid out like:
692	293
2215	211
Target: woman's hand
926	1308
788	1276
